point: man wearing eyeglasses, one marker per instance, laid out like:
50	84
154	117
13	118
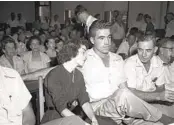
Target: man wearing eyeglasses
145	73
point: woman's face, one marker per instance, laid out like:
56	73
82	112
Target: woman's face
59	45
81	56
35	45
51	44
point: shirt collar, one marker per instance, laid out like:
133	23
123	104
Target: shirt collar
89	21
155	61
91	52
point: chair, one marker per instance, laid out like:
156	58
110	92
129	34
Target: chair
41	97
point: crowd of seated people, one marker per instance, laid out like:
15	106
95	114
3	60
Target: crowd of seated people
116	77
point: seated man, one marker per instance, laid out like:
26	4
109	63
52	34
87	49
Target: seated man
128	46
15	106
104	76
10	59
145	72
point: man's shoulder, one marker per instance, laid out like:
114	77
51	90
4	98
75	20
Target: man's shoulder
115	56
132	60
9	72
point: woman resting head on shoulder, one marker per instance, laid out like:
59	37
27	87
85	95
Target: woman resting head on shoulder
65	84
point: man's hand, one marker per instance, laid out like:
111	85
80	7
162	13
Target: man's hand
167	95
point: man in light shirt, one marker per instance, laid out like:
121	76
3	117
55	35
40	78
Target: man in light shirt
104	76
55	21
15	107
145	73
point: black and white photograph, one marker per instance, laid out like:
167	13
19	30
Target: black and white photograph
86	62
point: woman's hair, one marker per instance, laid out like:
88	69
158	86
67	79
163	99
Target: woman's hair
6	40
47	41
30	41
69	51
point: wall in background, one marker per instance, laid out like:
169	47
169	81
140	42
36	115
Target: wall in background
146	7
27	9
156	9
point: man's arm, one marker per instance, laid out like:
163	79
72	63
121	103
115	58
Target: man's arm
148	96
28	115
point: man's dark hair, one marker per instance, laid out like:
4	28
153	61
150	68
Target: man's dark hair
79	9
147	38
133	30
98	24
6	40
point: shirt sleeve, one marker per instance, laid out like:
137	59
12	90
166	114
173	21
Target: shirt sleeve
83	96
56	91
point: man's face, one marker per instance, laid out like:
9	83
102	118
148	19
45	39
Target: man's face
169	17
131	40
10	49
146	50
102	41
80	17
167	51
56	17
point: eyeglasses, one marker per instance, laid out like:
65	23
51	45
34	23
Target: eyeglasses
168	48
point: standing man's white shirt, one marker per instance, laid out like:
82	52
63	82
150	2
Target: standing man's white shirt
139	78
53	23
13	23
89	21
14	97
170	29
101	81
125	48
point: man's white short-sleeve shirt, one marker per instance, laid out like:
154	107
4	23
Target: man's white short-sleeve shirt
101	81
14	97
139	78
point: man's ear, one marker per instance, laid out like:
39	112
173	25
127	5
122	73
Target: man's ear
92	40
156	48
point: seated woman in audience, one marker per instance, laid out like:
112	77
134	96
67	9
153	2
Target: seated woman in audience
42	37
59	45
34	59
9	58
51	51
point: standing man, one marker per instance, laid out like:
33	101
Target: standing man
15	107
84	17
104	77
145	72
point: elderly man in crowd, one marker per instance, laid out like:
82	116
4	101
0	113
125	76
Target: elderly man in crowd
15	108
104	76
145	73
